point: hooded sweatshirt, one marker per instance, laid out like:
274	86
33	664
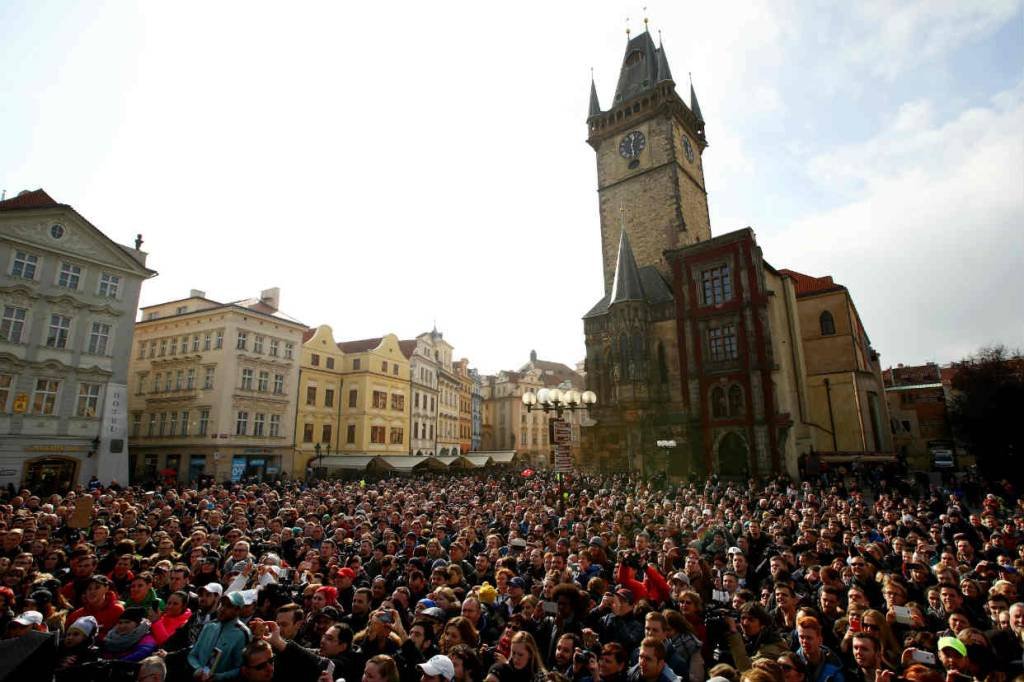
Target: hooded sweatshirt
166	625
106	615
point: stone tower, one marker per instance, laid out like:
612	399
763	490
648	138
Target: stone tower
650	177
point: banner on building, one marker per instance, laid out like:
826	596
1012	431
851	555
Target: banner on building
112	453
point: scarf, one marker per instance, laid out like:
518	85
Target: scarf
117	643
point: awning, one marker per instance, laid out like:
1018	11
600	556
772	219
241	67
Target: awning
406	463
353	463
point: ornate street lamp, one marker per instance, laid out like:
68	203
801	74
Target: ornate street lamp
320	453
554	400
666	446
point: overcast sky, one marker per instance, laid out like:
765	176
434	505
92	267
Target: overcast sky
392	165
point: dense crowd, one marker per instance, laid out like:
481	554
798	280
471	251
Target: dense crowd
506	578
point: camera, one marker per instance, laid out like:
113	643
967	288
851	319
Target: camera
714	621
583	657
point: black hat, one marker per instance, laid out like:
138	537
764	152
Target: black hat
41	597
135	614
330	613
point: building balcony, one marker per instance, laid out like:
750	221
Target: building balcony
182	395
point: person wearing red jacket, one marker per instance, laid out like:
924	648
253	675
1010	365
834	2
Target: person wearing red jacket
174	616
100	603
653	588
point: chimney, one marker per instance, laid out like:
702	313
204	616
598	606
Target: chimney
271	297
197	293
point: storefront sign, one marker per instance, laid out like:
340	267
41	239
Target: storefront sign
54	448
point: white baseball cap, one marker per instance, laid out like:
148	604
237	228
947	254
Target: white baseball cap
439	665
29	618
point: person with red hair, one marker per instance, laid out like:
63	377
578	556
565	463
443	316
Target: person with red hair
326	595
6	610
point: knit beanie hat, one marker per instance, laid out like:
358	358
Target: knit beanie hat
87	625
487	593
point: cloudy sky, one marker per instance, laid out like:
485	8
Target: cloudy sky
393	165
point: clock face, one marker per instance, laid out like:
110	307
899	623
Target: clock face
688	149
632	144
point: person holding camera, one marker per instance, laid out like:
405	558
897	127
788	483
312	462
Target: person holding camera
755	637
619	623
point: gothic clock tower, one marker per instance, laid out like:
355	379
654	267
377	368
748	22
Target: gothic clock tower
650	177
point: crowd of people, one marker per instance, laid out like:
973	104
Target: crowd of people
506	578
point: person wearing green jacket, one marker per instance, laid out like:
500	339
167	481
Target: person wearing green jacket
217	654
142	595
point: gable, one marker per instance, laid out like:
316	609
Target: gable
81	241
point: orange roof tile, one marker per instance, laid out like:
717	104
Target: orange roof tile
34	199
806	284
360	346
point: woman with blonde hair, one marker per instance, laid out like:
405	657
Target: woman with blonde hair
380	668
524	662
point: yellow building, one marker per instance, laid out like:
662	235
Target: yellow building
375	411
319	414
845	392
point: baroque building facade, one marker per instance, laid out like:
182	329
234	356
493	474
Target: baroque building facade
68	295
212	389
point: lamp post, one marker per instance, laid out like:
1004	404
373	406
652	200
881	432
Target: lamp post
554	400
321	451
667	446
557	401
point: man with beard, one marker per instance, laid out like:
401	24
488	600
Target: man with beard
217	654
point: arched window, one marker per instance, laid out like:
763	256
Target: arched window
662	365
735	401
828	325
718	407
624	358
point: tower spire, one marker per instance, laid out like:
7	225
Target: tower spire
694	105
626	285
595	104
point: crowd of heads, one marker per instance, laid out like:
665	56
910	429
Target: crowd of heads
498	577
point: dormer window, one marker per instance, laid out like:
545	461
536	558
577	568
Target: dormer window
634	58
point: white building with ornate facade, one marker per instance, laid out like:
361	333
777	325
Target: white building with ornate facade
68	296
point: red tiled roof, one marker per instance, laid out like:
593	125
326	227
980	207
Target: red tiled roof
806	284
35	199
308	334
360	346
408	347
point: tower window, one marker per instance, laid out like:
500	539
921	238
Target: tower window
827	324
716	284
634	58
722	343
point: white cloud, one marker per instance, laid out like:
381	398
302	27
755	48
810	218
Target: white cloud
931	247
890	38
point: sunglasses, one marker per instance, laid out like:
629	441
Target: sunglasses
264	665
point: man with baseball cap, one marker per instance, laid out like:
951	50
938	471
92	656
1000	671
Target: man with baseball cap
620	624
437	669
217	654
